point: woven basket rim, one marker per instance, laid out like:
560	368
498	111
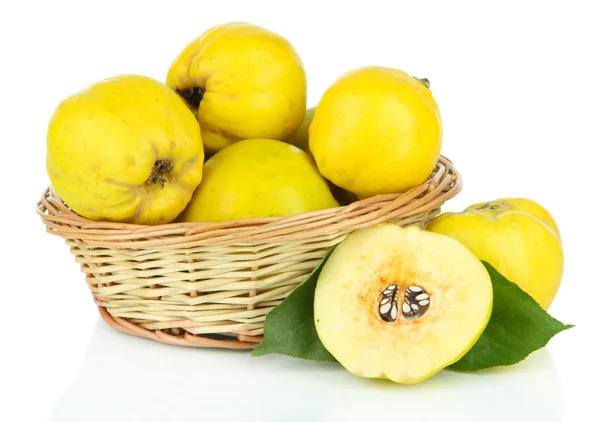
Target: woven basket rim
212	284
444	183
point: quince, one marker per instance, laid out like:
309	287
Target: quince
125	149
258	178
300	137
401	303
376	130
242	81
517	236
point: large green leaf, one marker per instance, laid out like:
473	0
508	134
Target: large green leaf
518	326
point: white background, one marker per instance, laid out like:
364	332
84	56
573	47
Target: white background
518	86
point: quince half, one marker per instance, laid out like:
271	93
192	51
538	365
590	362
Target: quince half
126	149
401	303
518	236
243	82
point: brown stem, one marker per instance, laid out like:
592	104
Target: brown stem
192	96
161	167
424	81
488	207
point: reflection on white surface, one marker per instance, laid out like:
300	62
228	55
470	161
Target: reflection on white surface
124	378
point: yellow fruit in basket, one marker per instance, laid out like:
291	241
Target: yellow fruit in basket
258	178
125	149
243	82
401	303
376	130
300	137
517	236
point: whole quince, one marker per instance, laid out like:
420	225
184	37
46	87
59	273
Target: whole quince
125	149
258	178
517	236
300	137
376	130
243	82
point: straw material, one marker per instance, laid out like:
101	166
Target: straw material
212	284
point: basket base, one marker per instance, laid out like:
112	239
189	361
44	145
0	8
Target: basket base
190	340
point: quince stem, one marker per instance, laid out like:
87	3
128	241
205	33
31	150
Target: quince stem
424	81
192	96
160	168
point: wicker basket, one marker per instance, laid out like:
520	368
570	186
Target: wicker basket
212	284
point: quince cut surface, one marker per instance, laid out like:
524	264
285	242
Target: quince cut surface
401	303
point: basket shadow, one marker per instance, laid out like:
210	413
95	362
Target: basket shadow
126	378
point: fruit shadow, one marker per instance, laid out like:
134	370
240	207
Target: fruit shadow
125	378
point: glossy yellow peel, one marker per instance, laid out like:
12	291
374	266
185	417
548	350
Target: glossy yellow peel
376	130
523	204
300	137
125	149
258	178
517	236
249	82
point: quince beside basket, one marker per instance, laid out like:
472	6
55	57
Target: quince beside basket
212	284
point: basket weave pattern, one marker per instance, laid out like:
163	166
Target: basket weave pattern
212	284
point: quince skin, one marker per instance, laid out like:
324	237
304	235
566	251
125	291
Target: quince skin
517	236
243	82
376	130
125	149
258	178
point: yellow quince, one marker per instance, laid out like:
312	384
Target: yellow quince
300	137
258	178
243	82
376	130
125	149
517	236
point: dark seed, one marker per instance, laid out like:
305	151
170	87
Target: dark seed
416	302
388	304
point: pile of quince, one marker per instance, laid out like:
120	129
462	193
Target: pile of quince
228	136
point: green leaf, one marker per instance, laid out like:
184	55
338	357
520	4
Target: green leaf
290	326
518	326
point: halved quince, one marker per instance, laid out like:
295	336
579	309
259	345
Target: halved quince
401	303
